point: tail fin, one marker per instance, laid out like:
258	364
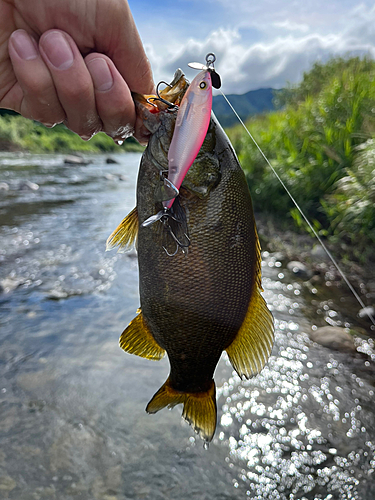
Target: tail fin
199	407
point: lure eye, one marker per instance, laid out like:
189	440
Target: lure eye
203	85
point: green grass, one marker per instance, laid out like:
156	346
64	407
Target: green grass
18	133
322	144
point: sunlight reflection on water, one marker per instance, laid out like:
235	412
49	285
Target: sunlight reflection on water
72	403
304	427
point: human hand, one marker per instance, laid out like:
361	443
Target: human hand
73	61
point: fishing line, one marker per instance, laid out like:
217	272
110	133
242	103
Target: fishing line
351	288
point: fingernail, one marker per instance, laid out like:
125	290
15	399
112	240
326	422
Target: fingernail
100	73
24	45
58	50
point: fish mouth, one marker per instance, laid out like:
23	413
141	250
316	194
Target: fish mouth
173	93
148	107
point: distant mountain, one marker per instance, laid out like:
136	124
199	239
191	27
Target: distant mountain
246	105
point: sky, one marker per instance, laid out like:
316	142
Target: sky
257	43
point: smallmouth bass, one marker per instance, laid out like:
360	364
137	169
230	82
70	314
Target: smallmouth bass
206	299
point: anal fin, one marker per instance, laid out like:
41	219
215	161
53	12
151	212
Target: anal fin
250	350
137	339
199	407
126	233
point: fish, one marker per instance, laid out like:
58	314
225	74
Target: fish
195	305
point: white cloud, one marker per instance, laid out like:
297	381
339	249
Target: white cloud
273	61
290	26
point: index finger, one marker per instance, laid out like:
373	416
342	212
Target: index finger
126	50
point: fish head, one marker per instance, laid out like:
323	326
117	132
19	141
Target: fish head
159	119
150	108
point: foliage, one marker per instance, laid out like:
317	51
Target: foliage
321	144
317	78
17	132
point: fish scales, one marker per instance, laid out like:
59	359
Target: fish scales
197	303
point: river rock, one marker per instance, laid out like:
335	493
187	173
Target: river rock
299	269
366	311
4	186
9	284
115	177
318	253
110	160
7	484
333	337
24	186
75	160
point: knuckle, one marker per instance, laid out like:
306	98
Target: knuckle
85	128
77	92
46	113
37	84
117	131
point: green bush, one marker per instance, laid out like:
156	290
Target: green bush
322	146
20	133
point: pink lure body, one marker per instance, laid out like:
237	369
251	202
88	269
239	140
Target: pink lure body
193	119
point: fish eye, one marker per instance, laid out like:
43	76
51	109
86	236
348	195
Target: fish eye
203	85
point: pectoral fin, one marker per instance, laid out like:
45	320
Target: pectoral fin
199	407
137	339
251	348
126	233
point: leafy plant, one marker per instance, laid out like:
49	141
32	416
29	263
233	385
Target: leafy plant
17	132
322	145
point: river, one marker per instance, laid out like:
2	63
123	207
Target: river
72	419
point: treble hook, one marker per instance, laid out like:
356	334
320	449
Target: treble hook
184	248
171	106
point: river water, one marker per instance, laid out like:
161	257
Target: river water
72	419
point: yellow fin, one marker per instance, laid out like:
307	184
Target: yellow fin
258	262
250	350
137	339
199	407
126	233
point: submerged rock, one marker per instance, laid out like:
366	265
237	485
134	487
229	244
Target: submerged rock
318	253
75	160
299	269
366	311
115	177
7	484
33	186
333	337
9	284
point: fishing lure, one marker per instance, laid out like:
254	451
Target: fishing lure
193	119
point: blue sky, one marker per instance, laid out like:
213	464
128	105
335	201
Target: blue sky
262	43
